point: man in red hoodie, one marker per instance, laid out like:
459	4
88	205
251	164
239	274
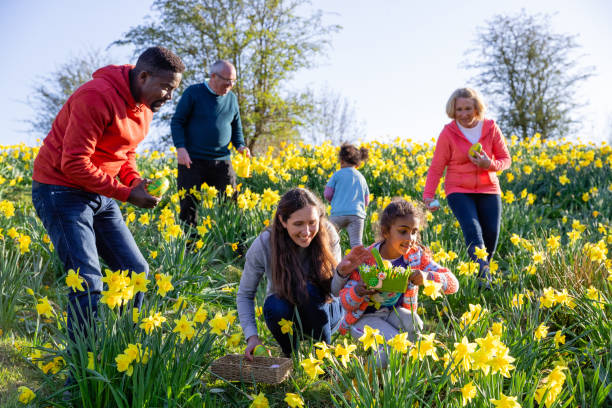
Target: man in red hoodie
87	161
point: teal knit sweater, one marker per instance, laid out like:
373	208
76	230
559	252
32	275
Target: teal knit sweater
205	123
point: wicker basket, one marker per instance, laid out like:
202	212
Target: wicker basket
268	370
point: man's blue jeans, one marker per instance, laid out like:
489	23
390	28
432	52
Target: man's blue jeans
479	216
316	318
82	227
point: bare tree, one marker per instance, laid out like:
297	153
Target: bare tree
529	74
331	116
52	90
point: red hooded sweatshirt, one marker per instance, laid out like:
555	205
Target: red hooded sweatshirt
462	176
93	139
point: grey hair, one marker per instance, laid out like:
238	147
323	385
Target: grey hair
218	66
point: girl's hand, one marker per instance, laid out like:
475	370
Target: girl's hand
252	342
358	255
481	160
416	278
362	290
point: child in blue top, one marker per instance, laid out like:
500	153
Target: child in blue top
348	193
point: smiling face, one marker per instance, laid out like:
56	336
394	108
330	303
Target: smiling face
303	225
154	90
465	112
401	236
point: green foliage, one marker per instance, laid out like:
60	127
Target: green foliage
539	204
266	40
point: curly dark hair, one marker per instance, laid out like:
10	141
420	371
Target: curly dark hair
352	155
397	208
288	275
158	59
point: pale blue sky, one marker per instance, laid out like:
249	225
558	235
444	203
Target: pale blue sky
398	61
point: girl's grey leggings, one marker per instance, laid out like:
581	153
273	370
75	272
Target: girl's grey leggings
353	225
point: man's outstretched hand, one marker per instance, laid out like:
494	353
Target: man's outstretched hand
140	197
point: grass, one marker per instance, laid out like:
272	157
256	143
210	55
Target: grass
15	370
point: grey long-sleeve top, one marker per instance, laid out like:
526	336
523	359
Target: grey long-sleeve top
257	264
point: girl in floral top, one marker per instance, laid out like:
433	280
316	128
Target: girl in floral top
389	312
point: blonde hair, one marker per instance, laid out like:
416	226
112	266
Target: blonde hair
468	93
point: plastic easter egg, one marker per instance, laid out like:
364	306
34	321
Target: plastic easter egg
260	351
475	148
434	204
158	187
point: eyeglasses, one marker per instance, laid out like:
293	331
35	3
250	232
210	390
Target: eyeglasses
231	81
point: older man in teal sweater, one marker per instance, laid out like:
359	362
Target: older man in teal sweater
206	120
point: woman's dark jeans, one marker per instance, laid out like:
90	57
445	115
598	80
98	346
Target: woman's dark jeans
315	318
83	226
479	216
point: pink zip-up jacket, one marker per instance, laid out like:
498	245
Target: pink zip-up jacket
462	176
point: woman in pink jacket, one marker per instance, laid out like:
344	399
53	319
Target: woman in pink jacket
471	184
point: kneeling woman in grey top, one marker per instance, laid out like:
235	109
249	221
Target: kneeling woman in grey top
299	254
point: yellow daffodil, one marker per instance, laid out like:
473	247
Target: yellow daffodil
468	391
200	315
74	281
548	298
481	253
559	338
322	350
553	243
505	402
425	347
184	327
344	351
259	401
370	338
312	367
286	326
432	289
294	400
124	364
140	281
151	322
497	328
233	340
551	386
26	395
501	362
44	308
538	257
164	284
540	332
400	343
461	354
218	323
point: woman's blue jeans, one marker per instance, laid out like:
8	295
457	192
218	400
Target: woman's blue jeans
479	216
316	318
84	226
